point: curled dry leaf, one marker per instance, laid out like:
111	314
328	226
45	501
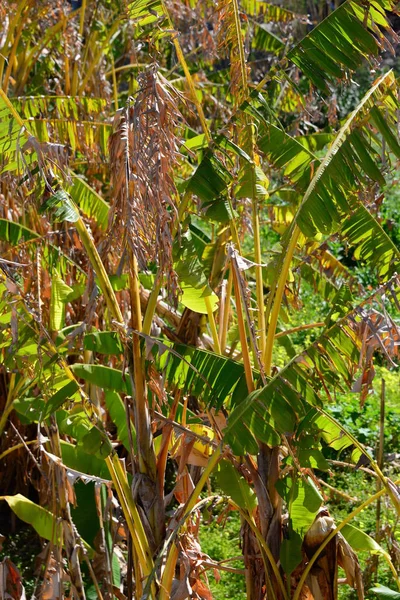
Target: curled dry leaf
11	587
53	580
181	588
192	551
347	559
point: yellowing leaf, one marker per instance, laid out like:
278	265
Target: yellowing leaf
59	296
194	298
200	452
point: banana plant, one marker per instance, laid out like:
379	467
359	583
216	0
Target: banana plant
144	317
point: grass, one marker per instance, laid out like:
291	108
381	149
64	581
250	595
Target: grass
222	541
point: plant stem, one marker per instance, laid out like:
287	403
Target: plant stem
11	28
276	299
79	60
264	548
242	333
82	18
168	573
213	327
227	309
16	447
240	46
151	305
131	514
146	454
135	296
34	54
11	58
99	269
98	55
189	79
190	505
14	113
212	463
9	404
115	86
261	326
380	457
299	328
64	512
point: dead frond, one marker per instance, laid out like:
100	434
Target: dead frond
229	43
196	25
378	332
143	152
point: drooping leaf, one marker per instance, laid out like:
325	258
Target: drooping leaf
30	410
329	187
43	521
208	182
201	373
85	505
77	122
235	486
14	233
290	553
104	377
12	137
60	293
145	11
74	457
253	183
96	442
312	458
266	40
287	399
89	201
194	298
62	207
103	342
303	499
58	399
384	592
74	423
269	11
359	540
190	271
118	416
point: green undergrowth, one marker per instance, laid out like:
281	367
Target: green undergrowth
221	541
